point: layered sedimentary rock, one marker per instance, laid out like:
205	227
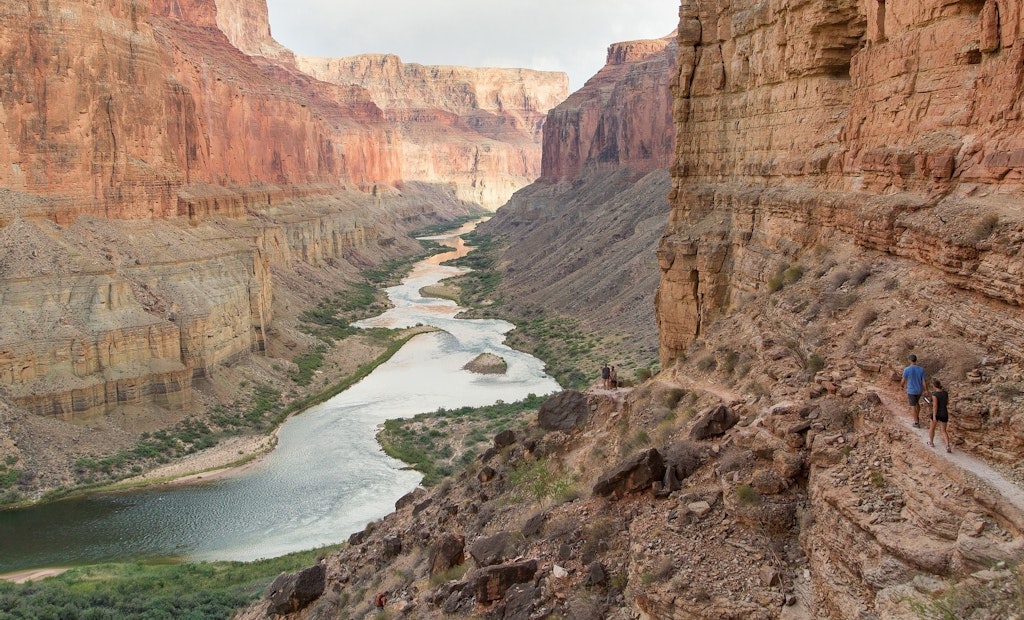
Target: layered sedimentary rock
847	189
895	130
477	128
621	118
582	238
159	161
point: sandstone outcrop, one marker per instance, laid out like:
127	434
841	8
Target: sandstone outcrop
846	125
477	128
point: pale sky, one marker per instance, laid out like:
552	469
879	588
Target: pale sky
551	35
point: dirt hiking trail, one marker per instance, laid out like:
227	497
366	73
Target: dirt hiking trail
1002	494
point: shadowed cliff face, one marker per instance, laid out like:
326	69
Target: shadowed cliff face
477	128
582	238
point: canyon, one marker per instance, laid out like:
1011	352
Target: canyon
781	200
844	191
177	190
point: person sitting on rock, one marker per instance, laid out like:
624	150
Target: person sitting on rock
940	414
381	600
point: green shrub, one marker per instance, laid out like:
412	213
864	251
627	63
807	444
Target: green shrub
815	363
747	495
534	479
793	274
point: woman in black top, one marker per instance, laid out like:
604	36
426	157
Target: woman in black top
940	414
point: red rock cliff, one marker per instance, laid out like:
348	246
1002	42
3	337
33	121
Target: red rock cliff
897	129
477	128
597	127
847	189
158	161
115	109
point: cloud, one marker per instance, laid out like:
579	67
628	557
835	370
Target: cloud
554	35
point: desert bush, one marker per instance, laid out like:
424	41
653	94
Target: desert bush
535	479
814	363
707	363
838	279
731	358
860	275
746	494
984	226
454	573
1000	598
671	397
793	274
867	317
733	459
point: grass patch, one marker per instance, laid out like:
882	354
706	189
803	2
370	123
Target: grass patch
439	443
194	590
746	494
536	480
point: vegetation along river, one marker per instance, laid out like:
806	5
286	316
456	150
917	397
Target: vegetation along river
327	477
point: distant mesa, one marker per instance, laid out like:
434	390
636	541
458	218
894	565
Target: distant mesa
487	364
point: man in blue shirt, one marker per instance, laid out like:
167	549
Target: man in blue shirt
913	380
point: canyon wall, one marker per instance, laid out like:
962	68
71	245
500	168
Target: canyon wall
479	129
160	161
896	130
581	239
621	118
847	190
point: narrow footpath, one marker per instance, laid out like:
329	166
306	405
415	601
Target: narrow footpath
1002	495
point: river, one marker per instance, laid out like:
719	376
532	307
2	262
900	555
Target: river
327	477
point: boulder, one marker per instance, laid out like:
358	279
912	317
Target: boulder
486	474
636	474
519	602
563	411
291	593
767	482
506	437
491	583
487	364
448	552
489	550
713	422
533	524
391	547
596	574
409	498
420	507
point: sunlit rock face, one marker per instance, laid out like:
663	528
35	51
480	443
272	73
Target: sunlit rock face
158	160
895	128
813	138
621	118
582	238
478	129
